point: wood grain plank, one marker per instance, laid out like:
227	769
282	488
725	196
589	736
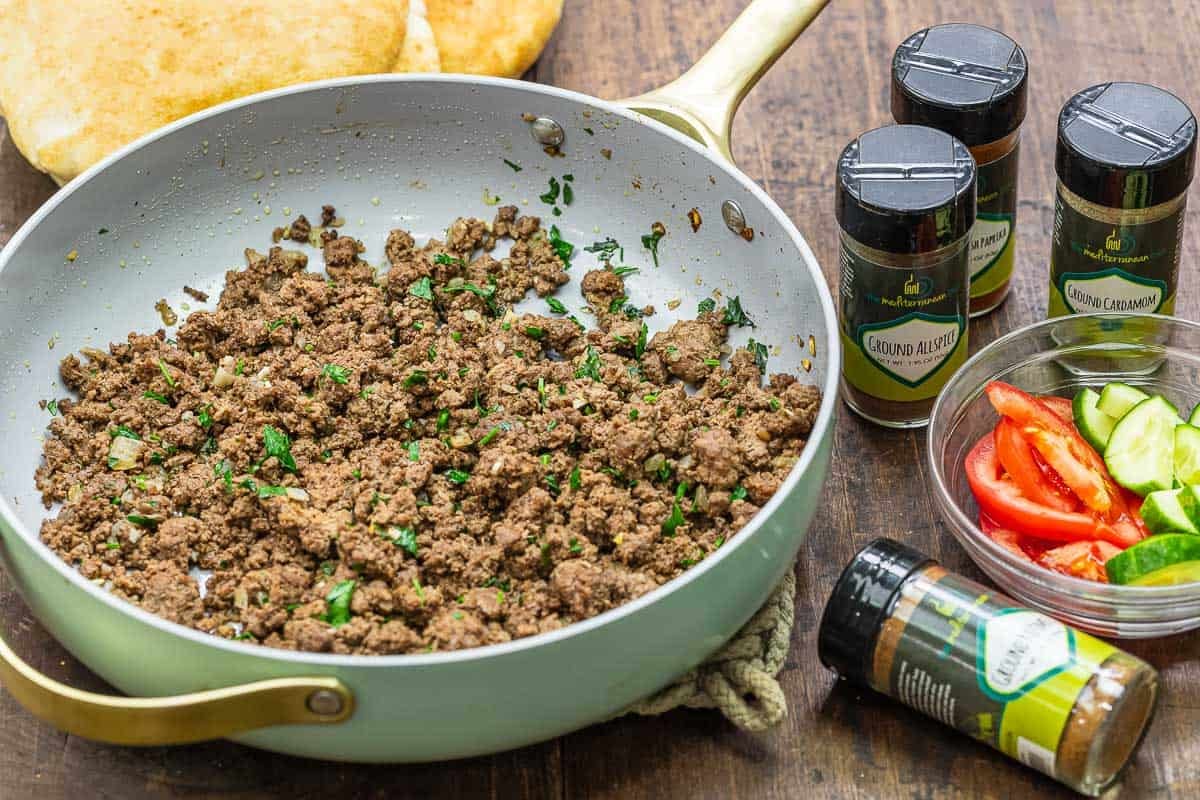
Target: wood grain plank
838	741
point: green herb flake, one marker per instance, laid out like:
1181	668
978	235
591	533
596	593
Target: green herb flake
640	347
568	194
760	355
650	241
514	166
337	374
404	538
166	373
774	404
590	368
279	446
416	584
621	272
457	476
143	522
52	407
534	332
417	376
150	395
552	482
706	306
576	479
633	413
738	493
121	430
735	315
414	451
606	249
279	323
671	523
556	305
337	603
204	416
574	546
422	288
223	470
443	419
564	249
271	491
589	131
550	197
447	260
712	362
490	436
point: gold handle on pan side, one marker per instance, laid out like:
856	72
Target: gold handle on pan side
181	719
701	102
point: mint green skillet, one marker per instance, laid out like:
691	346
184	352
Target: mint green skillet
412	151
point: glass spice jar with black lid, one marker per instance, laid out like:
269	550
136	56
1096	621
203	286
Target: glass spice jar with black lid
905	204
970	81
1125	158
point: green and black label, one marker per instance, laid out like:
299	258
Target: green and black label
904	329
1005	675
993	235
1100	267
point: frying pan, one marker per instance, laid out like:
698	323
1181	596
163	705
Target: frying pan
177	207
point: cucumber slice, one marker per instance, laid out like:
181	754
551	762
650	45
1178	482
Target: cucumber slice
1094	424
1189	498
1183	572
1194	419
1141	451
1187	454
1118	399
1164	513
1151	555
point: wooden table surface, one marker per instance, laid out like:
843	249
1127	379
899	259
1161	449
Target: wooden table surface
837	742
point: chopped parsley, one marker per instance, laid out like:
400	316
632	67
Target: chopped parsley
422	288
552	482
633	413
589	131
279	447
606	249
488	295
590	368
576	480
204	416
128	433
568	193
414	451
417	376
760	355
671	523
223	470
562	247
143	522
712	362
149	395
446	259
738	493
404	538
621	272
514	166
640	347
555	305
279	323
443	419
166	373
574	546
650	240
734	315
52	407
490	436
457	476
335	373
271	491
550	196
707	305
534	332
337	603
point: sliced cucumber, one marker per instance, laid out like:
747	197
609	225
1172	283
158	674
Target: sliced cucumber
1094	424
1187	454
1164	513
1183	572
1151	555
1194	419
1189	498
1118	399
1140	452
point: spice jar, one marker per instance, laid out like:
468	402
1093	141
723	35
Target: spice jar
970	82
1125	156
905	204
1055	699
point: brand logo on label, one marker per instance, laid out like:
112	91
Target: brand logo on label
989	235
1019	650
1111	290
913	347
917	287
1120	243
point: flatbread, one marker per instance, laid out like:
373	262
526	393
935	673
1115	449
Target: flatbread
492	37
420	51
79	79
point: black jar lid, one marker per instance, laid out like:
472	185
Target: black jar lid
860	603
1126	145
966	80
906	189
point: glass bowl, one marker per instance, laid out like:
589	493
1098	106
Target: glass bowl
1058	357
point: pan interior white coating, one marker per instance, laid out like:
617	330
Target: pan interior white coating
179	208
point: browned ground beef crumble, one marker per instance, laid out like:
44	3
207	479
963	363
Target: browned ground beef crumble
460	478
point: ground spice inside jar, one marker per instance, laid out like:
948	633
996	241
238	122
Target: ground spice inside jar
1125	158
905	205
1055	699
970	81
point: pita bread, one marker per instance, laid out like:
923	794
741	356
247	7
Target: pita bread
79	79
420	51
492	37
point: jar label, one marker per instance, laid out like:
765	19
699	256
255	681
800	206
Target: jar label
1005	675
992	235
904	329
1100	267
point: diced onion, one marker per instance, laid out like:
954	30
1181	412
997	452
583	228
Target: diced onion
224	375
654	463
124	453
295	493
460	440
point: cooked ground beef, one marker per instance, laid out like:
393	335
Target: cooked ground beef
392	462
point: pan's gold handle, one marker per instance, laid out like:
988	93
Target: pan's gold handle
180	719
701	102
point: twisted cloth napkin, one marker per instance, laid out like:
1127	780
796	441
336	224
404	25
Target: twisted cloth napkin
739	679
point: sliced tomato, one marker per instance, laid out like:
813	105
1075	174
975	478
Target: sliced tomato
1018	458
1068	453
1031	548
1000	498
1080	559
1061	406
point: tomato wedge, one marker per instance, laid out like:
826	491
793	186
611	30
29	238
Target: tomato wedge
1061	407
1000	498
1066	452
1080	559
1017	457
